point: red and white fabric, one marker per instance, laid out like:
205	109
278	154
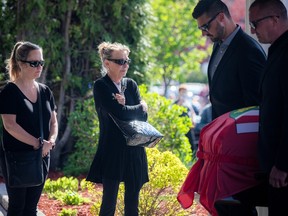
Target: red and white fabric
227	159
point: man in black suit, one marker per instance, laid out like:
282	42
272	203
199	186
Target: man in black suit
236	61
268	20
234	73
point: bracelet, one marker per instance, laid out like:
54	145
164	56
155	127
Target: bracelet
53	146
41	142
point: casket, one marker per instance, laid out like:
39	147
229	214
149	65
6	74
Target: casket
227	159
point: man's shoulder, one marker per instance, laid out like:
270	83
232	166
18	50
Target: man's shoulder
245	41
246	38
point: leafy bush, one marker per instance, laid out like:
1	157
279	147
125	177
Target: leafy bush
61	184
64	189
166	175
163	114
68	212
73	198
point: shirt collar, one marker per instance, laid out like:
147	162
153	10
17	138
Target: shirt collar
231	36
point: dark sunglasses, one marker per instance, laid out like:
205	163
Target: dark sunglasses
120	61
34	64
206	26
253	24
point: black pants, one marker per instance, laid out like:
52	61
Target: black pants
235	210
249	199
109	199
23	201
278	201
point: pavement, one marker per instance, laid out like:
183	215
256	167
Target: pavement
4	201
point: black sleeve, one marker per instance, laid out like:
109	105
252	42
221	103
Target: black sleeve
8	100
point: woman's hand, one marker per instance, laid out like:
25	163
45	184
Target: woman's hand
47	146
120	98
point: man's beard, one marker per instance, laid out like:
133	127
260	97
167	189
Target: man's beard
219	34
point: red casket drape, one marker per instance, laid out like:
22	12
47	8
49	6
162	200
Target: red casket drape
227	159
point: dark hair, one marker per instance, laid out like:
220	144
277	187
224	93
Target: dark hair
274	6
211	7
19	52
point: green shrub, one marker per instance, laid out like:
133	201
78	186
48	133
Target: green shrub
68	212
61	184
95	209
166	174
65	190
72	198
86	185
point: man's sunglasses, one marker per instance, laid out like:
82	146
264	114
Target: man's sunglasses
254	24
206	26
120	61
34	64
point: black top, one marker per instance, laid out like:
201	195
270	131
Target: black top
273	129
114	159
13	101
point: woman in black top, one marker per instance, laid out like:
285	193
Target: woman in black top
20	115
114	161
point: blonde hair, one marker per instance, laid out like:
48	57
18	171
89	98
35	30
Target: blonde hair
19	52
105	50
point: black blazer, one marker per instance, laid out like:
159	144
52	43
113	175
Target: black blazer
235	83
114	159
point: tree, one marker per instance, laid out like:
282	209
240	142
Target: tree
175	41
69	32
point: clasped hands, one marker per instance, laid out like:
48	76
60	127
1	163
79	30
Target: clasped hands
278	178
47	146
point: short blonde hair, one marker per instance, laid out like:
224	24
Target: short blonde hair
105	49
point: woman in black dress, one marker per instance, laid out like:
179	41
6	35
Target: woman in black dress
114	161
20	116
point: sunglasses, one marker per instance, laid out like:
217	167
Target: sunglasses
34	64
253	24
206	26
120	61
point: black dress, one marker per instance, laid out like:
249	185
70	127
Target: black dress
114	159
13	101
